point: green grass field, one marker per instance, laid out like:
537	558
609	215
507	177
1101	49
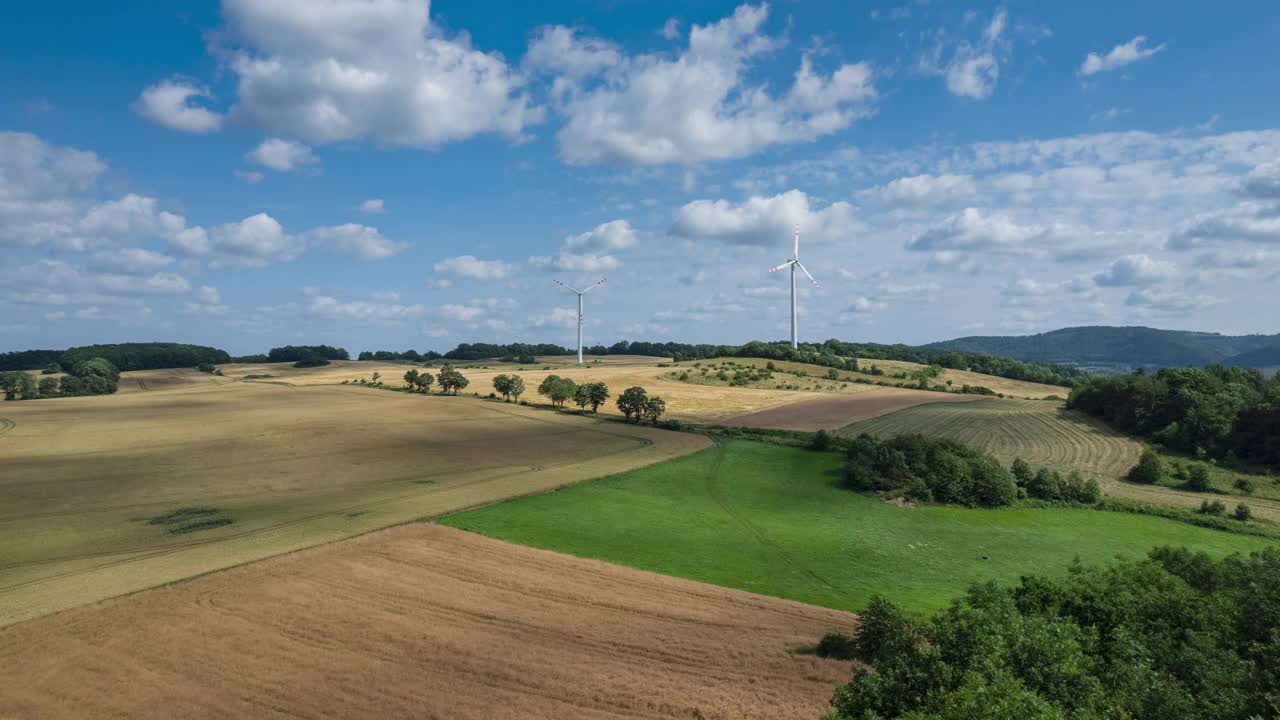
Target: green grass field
770	519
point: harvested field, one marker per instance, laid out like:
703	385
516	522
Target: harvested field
1042	433
836	411
425	622
283	467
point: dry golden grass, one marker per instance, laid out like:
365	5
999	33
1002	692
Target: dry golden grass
292	466
424	621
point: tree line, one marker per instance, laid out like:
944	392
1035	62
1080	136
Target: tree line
95	376
123	356
1214	412
1177	635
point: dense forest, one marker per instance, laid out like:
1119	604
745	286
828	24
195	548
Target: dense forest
485	351
1178	635
124	356
95	376
303	353
1215	412
1121	348
394	356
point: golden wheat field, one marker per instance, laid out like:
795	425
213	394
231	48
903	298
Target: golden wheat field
107	495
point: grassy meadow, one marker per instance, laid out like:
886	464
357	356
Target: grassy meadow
771	520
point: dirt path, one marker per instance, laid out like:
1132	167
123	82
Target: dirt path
427	622
836	411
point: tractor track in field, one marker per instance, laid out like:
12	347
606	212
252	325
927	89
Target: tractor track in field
6	425
717	494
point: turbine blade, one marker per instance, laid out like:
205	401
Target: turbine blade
806	273
567	287
598	284
783	265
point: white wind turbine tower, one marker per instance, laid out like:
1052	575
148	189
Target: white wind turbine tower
580	293
794	263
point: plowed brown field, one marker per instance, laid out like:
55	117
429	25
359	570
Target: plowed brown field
424	621
833	412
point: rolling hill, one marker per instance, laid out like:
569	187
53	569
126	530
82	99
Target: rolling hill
1111	349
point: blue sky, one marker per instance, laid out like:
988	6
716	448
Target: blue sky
384	174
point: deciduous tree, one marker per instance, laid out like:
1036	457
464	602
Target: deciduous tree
632	401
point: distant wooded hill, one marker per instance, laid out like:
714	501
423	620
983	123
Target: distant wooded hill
1104	348
125	356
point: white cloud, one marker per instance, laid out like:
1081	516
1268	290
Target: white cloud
764	220
358	241
461	313
1134	270
972	230
168	104
209	295
1263	182
696	105
571	262
468	266
1247	221
1120	55
973	70
615	235
671	28
1168	302
134	261
256	241
923	190
331	307
350	69
374	206
282	155
863	304
558	317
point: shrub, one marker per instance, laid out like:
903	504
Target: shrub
206	367
1244	485
1212	508
821	441
1149	469
1243	513
836	646
311	362
1198	478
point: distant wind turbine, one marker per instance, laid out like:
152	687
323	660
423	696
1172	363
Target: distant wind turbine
580	293
794	263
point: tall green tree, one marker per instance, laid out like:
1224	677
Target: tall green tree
632	401
654	407
411	379
593	394
517	387
502	384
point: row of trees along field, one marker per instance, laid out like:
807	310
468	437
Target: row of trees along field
95	376
124	356
1216	412
1178	635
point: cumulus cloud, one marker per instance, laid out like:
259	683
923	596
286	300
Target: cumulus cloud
282	155
133	261
358	241
695	105
615	235
972	230
169	104
462	313
380	69
1134	270
558	317
469	266
374	206
1168	302
60	283
1120	55
364	311
923	190
973	69
573	262
764	220
1247	221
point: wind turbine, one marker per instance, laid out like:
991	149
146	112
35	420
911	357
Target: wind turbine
794	262
580	293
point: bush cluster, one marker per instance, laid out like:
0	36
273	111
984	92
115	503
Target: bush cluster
926	469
